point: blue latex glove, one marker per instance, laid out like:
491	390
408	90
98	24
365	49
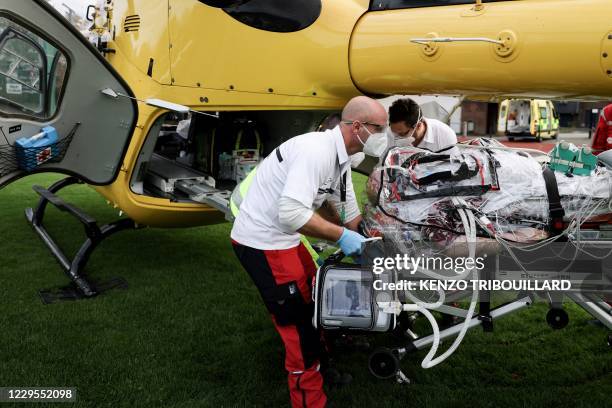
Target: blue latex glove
350	242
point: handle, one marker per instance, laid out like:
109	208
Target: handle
87	13
38	136
335	257
424	41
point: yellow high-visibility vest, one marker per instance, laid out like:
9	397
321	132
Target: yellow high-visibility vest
237	197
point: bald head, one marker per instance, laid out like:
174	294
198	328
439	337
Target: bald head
361	117
364	109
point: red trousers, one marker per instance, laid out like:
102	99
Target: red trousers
284	278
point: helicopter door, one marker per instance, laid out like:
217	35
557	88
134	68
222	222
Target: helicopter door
53	116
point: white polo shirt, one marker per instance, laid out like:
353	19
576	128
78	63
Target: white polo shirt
310	172
438	135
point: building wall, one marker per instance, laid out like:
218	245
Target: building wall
475	114
579	114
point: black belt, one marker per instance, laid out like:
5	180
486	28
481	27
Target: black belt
555	209
448	191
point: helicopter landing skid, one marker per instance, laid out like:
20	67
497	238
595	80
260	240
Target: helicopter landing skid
82	287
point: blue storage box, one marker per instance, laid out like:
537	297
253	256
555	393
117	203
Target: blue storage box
33	151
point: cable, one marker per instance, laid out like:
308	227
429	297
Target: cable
469	224
584	210
380	206
429	361
419	302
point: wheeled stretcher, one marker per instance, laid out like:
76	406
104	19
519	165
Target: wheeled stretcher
540	235
346	301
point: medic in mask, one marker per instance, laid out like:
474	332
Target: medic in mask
409	128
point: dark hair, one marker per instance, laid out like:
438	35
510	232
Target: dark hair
404	110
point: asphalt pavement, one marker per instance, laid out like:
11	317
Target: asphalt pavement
577	137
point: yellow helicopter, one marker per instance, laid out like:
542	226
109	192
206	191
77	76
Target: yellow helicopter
242	76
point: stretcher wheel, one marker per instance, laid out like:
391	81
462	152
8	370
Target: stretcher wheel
557	318
383	363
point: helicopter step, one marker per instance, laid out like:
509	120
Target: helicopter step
81	287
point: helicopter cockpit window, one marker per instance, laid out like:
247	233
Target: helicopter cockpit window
32	73
280	16
404	4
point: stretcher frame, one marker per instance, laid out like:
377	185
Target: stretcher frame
590	300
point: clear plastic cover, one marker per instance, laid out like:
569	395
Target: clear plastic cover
412	194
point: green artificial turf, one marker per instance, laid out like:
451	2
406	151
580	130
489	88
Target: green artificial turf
191	330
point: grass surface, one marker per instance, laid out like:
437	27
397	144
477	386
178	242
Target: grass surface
191	330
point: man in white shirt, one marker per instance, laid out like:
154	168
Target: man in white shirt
409	126
281	203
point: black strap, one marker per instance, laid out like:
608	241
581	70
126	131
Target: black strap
343	188
422	157
449	191
555	209
570	170
433	158
278	155
493	164
462	173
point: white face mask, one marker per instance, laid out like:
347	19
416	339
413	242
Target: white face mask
403	141
395	140
376	143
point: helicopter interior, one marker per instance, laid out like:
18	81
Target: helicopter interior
185	158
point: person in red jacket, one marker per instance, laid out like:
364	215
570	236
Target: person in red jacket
602	140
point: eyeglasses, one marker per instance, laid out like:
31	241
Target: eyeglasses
377	128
